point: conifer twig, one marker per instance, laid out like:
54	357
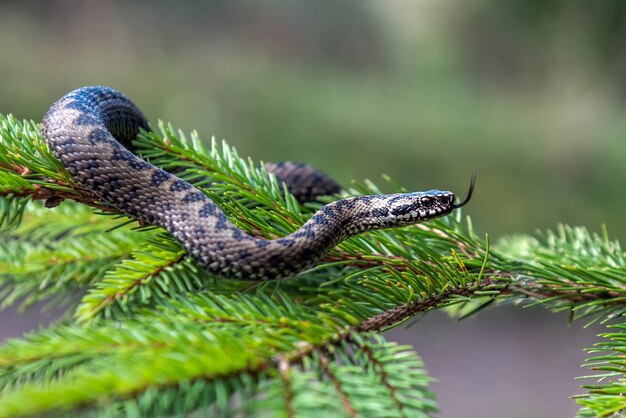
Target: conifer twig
154	335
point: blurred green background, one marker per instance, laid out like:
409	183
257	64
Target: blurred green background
530	94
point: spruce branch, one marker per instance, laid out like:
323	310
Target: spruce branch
51	253
154	335
29	170
119	363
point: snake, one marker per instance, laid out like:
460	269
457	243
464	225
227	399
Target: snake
90	130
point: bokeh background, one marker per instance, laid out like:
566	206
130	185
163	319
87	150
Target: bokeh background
528	93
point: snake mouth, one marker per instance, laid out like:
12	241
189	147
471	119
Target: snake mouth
469	194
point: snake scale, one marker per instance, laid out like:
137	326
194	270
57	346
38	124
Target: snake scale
90	130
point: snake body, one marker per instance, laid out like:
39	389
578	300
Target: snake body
90	130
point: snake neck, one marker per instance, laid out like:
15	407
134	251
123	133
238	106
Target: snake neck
239	255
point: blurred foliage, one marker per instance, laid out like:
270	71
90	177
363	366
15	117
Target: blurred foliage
528	93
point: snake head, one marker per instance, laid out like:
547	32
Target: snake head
411	208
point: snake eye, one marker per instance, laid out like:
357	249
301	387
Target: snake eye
426	201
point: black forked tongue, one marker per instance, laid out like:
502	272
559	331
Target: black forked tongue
469	193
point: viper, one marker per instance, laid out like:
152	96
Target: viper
91	129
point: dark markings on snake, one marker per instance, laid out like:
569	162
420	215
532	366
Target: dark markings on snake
221	222
82	107
379	212
88	130
122	155
307	233
139	165
193	197
288	242
275	260
134	192
321	219
261	243
307	253
207	210
88	164
99	135
69	141
237	234
85	119
180	185
113	182
160	177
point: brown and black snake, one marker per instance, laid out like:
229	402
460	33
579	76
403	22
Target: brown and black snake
90	130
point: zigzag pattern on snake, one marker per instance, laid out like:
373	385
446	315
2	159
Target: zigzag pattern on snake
89	130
